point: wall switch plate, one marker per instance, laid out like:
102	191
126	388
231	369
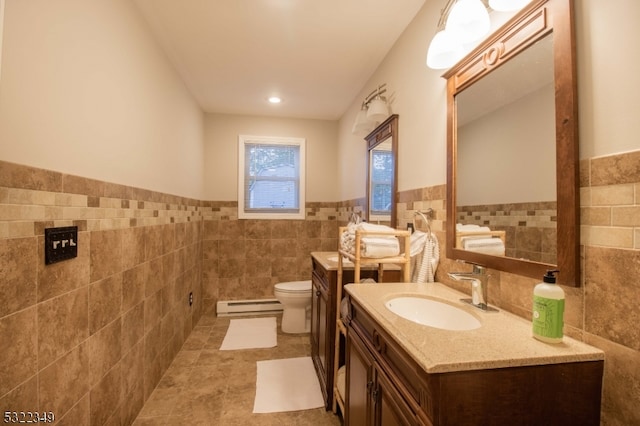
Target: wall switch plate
60	244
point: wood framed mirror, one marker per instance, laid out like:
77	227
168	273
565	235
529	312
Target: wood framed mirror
382	173
512	147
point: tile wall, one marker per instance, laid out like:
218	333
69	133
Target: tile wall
243	259
89	338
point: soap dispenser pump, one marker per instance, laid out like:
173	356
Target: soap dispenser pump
548	309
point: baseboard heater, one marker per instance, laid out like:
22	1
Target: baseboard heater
248	307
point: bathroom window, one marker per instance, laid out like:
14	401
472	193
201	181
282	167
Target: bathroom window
271	177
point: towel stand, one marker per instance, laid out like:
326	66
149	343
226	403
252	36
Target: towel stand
403	260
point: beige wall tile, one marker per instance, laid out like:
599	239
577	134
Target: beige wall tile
22	398
611	294
19	176
595	216
62	384
152	311
21	212
106	254
616	195
18	266
105	350
106	397
62	325
133	370
626	216
607	236
133	283
78	415
615	169
132	327
105	302
19	360
621	372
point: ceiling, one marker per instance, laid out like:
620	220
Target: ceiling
315	54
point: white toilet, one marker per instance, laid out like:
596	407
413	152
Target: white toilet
295	297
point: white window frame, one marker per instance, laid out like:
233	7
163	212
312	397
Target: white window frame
243	140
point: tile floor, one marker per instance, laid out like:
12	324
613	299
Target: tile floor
206	386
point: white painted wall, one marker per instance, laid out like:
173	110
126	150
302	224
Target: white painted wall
608	82
221	152
515	164
85	90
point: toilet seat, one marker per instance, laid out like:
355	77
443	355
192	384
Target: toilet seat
294	287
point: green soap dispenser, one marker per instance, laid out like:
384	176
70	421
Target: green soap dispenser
548	309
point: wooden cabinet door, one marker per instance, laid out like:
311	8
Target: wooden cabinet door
359	383
315	318
320	348
325	349
390	408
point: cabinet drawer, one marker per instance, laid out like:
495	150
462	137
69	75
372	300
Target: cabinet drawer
320	274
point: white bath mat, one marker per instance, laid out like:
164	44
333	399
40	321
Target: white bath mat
250	333
287	385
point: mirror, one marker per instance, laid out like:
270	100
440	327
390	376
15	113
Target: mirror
512	149
382	172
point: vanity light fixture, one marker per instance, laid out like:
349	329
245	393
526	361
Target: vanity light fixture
274	100
374	110
462	24
468	21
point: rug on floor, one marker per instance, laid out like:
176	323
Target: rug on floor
250	333
287	385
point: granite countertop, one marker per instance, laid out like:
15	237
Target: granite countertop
503	340
329	261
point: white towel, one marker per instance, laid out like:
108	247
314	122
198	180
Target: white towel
417	241
379	247
425	263
493	246
471	228
375	246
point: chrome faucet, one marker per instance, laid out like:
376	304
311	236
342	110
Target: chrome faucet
479	283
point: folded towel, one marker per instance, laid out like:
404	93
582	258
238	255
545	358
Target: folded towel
376	246
486	245
379	247
471	227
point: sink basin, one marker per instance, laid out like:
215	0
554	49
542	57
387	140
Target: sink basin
335	259
432	313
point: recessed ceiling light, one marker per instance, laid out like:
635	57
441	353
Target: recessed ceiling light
274	100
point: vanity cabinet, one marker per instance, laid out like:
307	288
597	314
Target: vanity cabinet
386	386
324	282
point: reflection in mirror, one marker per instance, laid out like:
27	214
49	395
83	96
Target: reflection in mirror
381	182
382	154
512	148
506	183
